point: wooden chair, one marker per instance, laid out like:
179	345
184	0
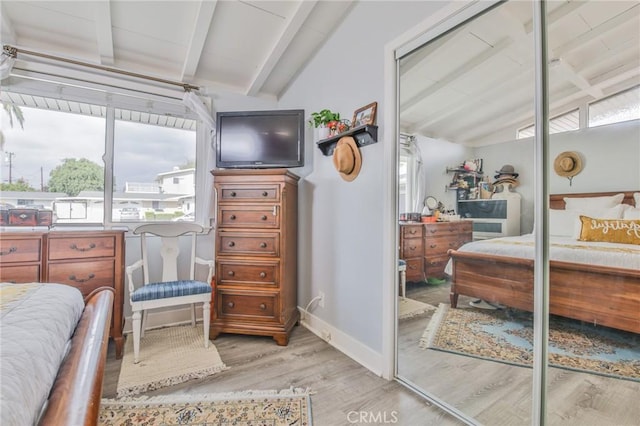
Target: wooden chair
170	290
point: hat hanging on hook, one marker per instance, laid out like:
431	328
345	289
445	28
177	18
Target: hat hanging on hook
568	164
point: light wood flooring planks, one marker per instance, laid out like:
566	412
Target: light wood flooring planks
500	394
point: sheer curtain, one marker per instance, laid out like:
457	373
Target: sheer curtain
412	177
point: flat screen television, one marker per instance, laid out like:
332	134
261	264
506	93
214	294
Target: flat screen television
260	139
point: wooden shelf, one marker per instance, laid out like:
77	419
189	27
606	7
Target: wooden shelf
363	135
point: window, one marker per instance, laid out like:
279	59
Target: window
623	106
562	123
60	159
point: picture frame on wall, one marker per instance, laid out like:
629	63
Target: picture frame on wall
365	115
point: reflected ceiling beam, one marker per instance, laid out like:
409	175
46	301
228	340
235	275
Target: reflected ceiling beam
416	57
456	73
597	32
568	73
291	29
104	35
558	13
199	34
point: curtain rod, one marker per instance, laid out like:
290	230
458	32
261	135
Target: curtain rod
14	51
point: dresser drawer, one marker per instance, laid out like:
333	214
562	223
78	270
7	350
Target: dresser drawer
20	274
254	192
439	246
251	244
445	229
86	276
434	266
248	306
20	250
411	231
411	247
81	247
230	216
414	270
231	273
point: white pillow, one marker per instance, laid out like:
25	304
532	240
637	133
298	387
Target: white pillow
631	213
593	202
566	223
636	197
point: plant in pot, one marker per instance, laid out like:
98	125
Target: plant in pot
325	121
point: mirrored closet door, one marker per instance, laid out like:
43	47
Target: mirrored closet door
466	201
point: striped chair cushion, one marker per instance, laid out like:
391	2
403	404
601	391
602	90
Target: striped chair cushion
155	291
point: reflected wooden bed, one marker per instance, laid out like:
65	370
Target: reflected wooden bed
596	294
76	392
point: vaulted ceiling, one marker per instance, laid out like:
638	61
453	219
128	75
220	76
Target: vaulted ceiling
249	47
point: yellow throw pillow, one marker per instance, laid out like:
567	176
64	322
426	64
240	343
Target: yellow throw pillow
610	230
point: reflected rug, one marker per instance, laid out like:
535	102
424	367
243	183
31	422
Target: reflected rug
506	335
273	408
409	308
168	356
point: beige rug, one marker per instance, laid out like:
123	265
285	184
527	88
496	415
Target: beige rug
408	308
168	356
251	408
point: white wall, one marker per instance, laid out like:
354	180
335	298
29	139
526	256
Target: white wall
340	223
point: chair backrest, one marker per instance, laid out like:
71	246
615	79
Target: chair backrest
169	234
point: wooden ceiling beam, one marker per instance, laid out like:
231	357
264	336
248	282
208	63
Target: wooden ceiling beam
199	34
291	29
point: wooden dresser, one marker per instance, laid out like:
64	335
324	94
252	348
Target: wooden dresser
256	253
84	259
424	246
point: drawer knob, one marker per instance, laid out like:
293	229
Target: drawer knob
76	248
81	280
433	245
433	231
231	273
231	244
265	193
264	217
232	217
412	248
263	274
412	231
263	245
11	250
233	193
263	306
231	304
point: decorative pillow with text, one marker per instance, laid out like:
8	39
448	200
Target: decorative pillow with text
610	230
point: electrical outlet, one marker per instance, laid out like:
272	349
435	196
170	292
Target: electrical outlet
321	300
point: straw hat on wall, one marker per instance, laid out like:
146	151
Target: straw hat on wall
568	164
347	159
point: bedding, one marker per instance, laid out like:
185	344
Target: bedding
566	249
37	322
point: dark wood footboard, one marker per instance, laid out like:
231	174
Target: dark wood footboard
77	390
596	294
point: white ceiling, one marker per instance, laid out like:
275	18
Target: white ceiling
248	47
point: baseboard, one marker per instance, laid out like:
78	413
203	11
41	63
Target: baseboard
158	319
346	344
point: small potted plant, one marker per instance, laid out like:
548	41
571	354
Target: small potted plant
324	121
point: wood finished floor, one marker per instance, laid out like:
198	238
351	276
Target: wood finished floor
493	393
500	394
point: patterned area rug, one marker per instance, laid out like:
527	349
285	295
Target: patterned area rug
168	356
506	335
409	308
269	408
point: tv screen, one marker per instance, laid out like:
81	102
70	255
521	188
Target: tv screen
260	139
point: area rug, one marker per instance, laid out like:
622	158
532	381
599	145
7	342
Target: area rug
252	408
409	308
168	356
506	335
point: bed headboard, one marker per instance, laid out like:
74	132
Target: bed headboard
556	201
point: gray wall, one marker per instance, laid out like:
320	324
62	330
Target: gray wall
340	223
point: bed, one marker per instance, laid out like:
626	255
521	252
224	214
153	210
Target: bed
607	295
53	349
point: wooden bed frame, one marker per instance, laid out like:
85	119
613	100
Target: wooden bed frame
77	390
596	294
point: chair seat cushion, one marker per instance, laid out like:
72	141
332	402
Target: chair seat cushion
155	291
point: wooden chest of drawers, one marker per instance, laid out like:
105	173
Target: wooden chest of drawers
256	253
84	259
424	246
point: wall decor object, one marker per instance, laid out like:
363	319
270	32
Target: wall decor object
365	115
568	164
